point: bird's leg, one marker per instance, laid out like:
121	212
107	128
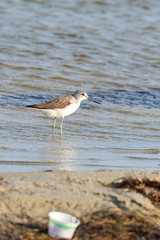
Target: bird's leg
61	125
54	123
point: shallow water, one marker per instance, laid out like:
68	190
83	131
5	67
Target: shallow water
109	49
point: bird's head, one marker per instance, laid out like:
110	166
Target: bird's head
82	95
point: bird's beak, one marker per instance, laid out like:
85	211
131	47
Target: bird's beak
92	100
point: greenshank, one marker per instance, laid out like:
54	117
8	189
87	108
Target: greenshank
62	106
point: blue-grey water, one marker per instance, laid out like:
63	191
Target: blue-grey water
110	49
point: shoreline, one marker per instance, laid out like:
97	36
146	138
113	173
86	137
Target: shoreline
34	194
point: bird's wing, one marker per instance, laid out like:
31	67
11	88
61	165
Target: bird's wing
59	102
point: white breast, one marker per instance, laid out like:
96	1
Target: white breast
61	112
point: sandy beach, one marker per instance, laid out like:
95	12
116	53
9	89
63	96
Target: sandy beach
33	195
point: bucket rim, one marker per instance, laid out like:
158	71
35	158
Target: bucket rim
62	223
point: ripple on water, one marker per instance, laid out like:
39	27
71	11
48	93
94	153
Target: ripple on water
111	50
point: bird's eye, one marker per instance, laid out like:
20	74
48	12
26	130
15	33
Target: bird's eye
82	94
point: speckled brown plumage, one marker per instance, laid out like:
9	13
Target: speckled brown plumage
59	102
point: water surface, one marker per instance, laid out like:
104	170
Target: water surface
108	48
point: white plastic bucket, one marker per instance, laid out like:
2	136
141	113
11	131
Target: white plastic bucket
62	225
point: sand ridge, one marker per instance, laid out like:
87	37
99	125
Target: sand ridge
35	194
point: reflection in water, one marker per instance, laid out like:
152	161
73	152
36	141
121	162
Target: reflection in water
62	151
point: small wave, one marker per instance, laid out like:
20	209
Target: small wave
147	99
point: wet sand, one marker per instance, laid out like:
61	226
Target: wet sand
33	195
